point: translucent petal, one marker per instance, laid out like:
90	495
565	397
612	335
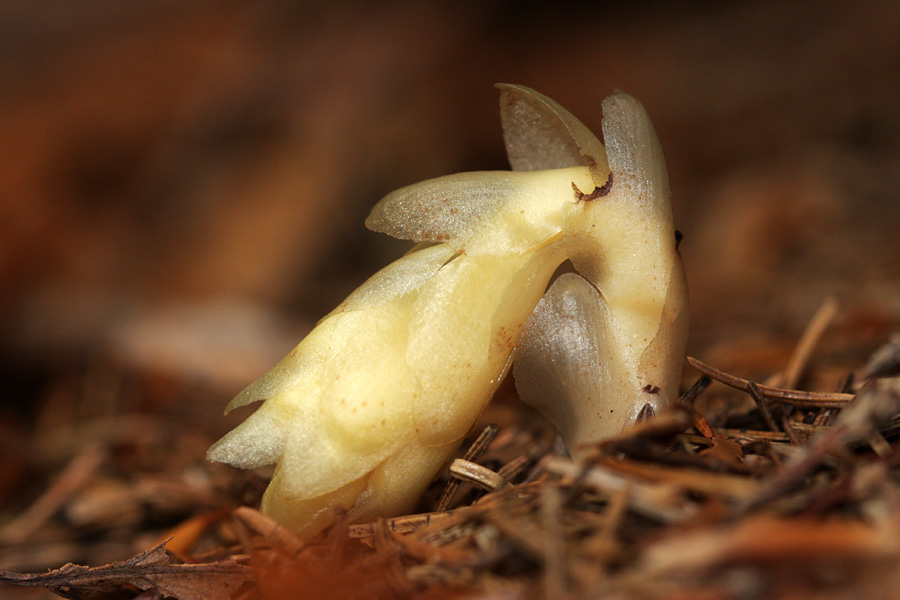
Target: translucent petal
288	371
398	279
256	442
449	348
570	366
327	466
540	134
401	277
445	208
465	325
500	212
308	516
635	155
632	224
661	362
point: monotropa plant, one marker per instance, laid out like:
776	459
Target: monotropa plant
366	410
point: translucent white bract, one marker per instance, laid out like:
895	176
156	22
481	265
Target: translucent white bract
365	411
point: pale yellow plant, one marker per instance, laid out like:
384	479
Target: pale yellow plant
365	411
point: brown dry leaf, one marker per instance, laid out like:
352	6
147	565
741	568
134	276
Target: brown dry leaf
724	450
149	569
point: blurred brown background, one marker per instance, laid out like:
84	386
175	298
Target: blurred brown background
170	166
183	184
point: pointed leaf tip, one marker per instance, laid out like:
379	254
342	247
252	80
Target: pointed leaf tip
540	134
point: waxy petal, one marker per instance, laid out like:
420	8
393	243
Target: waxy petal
540	135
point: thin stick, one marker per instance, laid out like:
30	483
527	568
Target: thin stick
808	342
273	532
879	445
750	434
796	397
643	497
760	400
790	431
696	389
404	524
477	475
67	484
513	467
477	448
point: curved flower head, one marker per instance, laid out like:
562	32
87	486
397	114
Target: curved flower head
365	411
608	340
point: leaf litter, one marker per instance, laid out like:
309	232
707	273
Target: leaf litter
152	569
744	489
